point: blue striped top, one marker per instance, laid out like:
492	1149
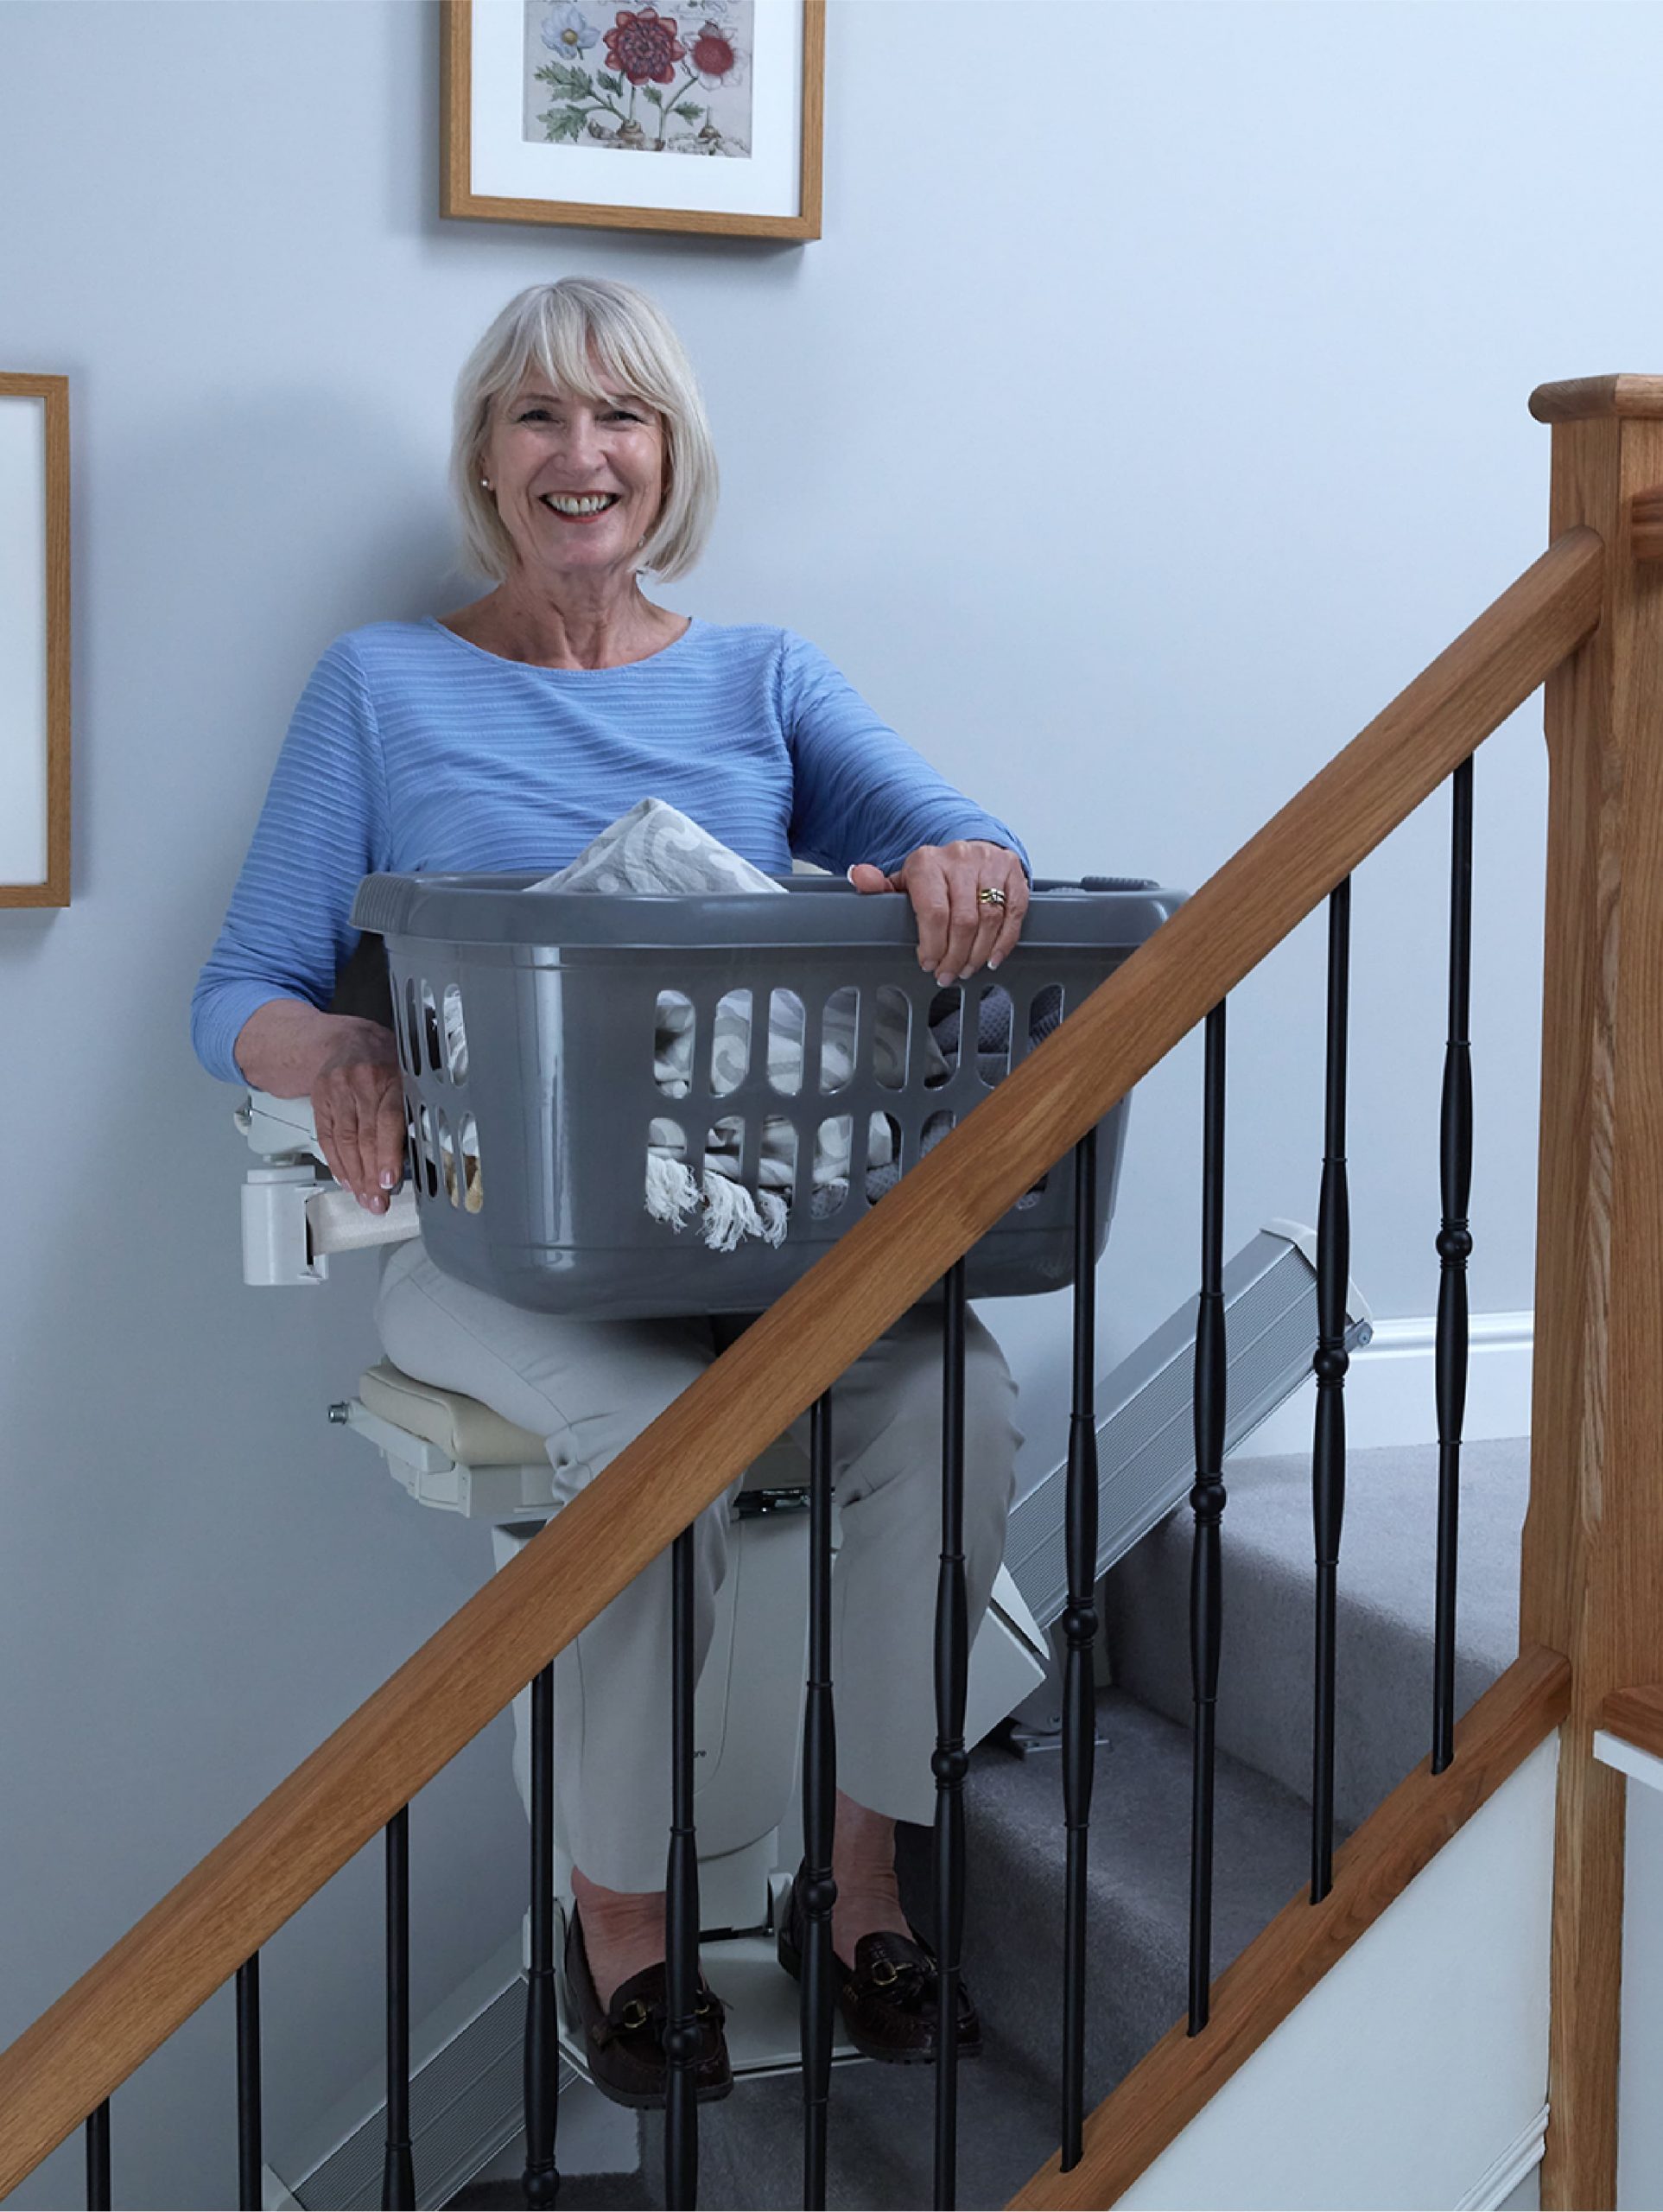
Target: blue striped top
413	750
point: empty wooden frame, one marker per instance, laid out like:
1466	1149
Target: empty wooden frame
34	641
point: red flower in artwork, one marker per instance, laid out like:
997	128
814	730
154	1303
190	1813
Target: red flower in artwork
644	47
713	54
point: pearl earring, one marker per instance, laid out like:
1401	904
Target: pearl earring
485	481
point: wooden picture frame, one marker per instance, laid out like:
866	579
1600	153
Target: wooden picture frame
34	641
603	76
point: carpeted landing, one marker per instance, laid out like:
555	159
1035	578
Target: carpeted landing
882	2118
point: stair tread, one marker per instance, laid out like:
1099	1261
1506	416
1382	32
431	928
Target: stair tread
880	2137
1389	1540
1387	1557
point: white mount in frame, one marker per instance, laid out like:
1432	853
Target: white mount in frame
34	641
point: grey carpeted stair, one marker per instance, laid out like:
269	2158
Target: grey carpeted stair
1384	1627
881	2130
882	2117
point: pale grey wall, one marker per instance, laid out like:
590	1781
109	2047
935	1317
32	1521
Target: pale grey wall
1152	410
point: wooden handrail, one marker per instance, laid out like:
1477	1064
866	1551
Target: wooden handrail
150	1982
1162	2093
1636	1715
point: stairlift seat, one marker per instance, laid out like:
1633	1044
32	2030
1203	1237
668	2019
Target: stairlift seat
473	1435
460	1427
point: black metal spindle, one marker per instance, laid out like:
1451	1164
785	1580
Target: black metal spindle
1080	1627
1207	1498
952	1667
540	2182
250	2157
682	1904
1331	1360
819	1817
398	2165
97	2160
1454	1249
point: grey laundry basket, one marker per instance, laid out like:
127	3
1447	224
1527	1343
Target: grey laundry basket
526	1023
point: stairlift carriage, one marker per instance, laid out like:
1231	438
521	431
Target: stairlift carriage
524	1025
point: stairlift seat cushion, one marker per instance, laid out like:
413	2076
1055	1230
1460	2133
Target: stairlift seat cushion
470	1433
460	1426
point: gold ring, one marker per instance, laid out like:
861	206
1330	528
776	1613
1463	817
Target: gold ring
991	895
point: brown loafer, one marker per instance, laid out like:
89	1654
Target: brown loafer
625	2041
890	1998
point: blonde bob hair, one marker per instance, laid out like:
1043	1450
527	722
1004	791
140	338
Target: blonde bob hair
592	338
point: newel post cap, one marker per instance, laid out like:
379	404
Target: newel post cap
1583	399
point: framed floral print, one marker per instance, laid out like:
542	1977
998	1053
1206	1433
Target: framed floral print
34	641
640	117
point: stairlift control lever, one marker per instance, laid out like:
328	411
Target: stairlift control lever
294	1213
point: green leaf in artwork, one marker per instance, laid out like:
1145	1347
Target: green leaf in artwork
574	83
608	83
563	124
689	111
655	96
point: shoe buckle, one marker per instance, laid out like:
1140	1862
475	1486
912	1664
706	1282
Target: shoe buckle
883	1972
633	2016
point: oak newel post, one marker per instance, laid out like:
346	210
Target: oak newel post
1593	1550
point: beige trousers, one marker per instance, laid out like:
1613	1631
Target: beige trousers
589	1388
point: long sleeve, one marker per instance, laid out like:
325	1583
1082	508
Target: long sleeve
323	826
860	792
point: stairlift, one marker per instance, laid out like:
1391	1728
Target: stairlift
454	1455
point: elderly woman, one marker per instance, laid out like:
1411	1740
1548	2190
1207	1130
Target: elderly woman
505	736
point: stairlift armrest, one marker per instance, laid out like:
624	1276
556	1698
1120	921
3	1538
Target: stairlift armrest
282	1130
295	1217
294	1213
336	1221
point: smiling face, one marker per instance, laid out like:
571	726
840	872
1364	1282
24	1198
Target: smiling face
578	482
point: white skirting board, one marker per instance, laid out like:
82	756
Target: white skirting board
1390	1393
1522	2156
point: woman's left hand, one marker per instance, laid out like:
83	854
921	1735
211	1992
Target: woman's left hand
959	930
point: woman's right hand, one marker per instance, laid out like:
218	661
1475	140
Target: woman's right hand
358	1103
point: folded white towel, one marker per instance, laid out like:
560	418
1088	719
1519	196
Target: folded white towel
656	848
